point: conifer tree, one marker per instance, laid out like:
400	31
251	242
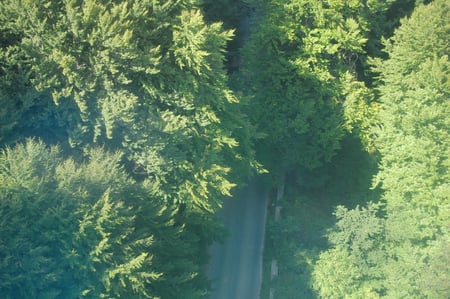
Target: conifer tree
72	230
145	77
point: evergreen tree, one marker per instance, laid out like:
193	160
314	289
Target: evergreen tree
72	230
145	77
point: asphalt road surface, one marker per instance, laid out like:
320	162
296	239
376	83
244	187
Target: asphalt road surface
236	266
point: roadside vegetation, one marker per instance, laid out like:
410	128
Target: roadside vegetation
298	238
355	121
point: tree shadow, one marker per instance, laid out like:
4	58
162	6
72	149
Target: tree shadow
307	214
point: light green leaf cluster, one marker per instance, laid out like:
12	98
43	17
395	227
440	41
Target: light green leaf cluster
414	138
189	40
357	234
337	274
414	142
357	229
360	110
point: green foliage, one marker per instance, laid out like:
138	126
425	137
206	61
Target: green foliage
23	111
235	15
434	277
355	239
147	78
298	240
414	142
301	66
394	255
337	275
73	230
360	110
356	229
144	77
414	138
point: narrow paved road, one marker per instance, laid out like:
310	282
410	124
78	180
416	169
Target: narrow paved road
236	266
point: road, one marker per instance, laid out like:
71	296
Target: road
236	266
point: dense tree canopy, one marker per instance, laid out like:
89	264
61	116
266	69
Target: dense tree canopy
149	112
73	230
145	77
413	141
142	77
301	66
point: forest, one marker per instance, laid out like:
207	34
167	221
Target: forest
124	126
